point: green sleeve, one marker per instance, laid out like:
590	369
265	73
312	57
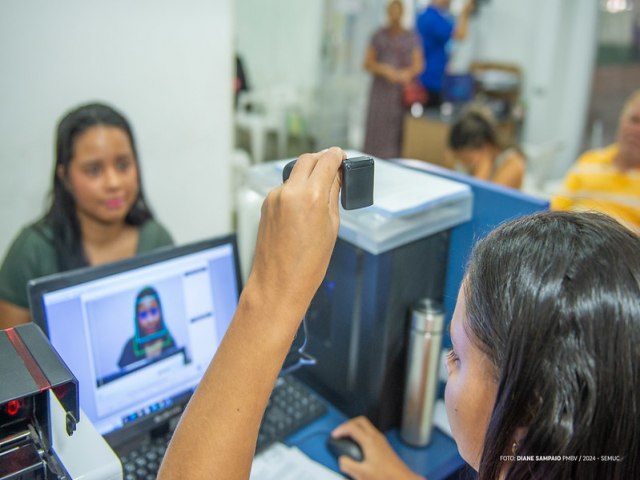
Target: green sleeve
153	235
30	256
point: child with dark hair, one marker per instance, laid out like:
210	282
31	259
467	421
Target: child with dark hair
151	337
98	212
476	143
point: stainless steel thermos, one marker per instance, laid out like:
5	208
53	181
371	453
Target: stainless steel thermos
423	356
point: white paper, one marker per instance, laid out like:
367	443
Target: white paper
401	191
280	462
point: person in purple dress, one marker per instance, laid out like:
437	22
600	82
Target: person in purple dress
394	57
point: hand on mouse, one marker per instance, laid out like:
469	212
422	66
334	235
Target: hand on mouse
380	461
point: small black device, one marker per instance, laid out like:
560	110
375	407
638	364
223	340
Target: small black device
357	181
345	446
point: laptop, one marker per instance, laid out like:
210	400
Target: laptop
139	334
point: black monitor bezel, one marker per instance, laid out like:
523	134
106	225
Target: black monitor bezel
38	287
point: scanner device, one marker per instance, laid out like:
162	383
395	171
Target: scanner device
357	181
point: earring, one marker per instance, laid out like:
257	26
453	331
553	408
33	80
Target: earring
515	447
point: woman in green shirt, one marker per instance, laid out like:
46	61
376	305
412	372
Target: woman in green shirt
98	212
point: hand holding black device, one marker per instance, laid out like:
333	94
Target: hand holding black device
356	192
357	181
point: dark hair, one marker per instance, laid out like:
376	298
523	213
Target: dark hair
61	216
553	300
473	129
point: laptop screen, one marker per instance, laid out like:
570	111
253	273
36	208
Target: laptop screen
139	334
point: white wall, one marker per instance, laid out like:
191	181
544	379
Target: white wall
280	41
555	44
167	65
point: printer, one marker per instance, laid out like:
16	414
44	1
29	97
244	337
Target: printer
40	436
30	369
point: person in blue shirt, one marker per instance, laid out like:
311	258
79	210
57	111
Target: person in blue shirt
437	27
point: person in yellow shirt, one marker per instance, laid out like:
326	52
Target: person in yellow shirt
608	180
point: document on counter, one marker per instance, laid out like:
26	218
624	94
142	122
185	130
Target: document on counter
280	462
418	192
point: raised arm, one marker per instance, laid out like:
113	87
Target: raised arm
462	24
217	434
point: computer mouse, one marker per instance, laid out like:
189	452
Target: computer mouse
345	446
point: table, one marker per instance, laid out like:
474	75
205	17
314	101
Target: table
437	461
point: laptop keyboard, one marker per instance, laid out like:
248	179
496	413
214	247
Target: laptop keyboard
292	406
143	463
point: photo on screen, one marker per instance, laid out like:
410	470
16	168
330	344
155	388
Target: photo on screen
136	327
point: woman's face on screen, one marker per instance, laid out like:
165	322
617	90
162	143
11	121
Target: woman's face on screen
148	313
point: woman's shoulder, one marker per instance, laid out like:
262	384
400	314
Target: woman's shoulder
153	235
599	156
510	155
31	255
36	236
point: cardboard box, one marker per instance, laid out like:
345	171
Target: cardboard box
425	138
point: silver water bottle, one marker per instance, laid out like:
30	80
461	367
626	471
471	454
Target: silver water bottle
423	356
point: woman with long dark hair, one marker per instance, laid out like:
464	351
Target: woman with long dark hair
98	213
544	368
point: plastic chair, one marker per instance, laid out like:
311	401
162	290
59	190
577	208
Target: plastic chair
261	112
